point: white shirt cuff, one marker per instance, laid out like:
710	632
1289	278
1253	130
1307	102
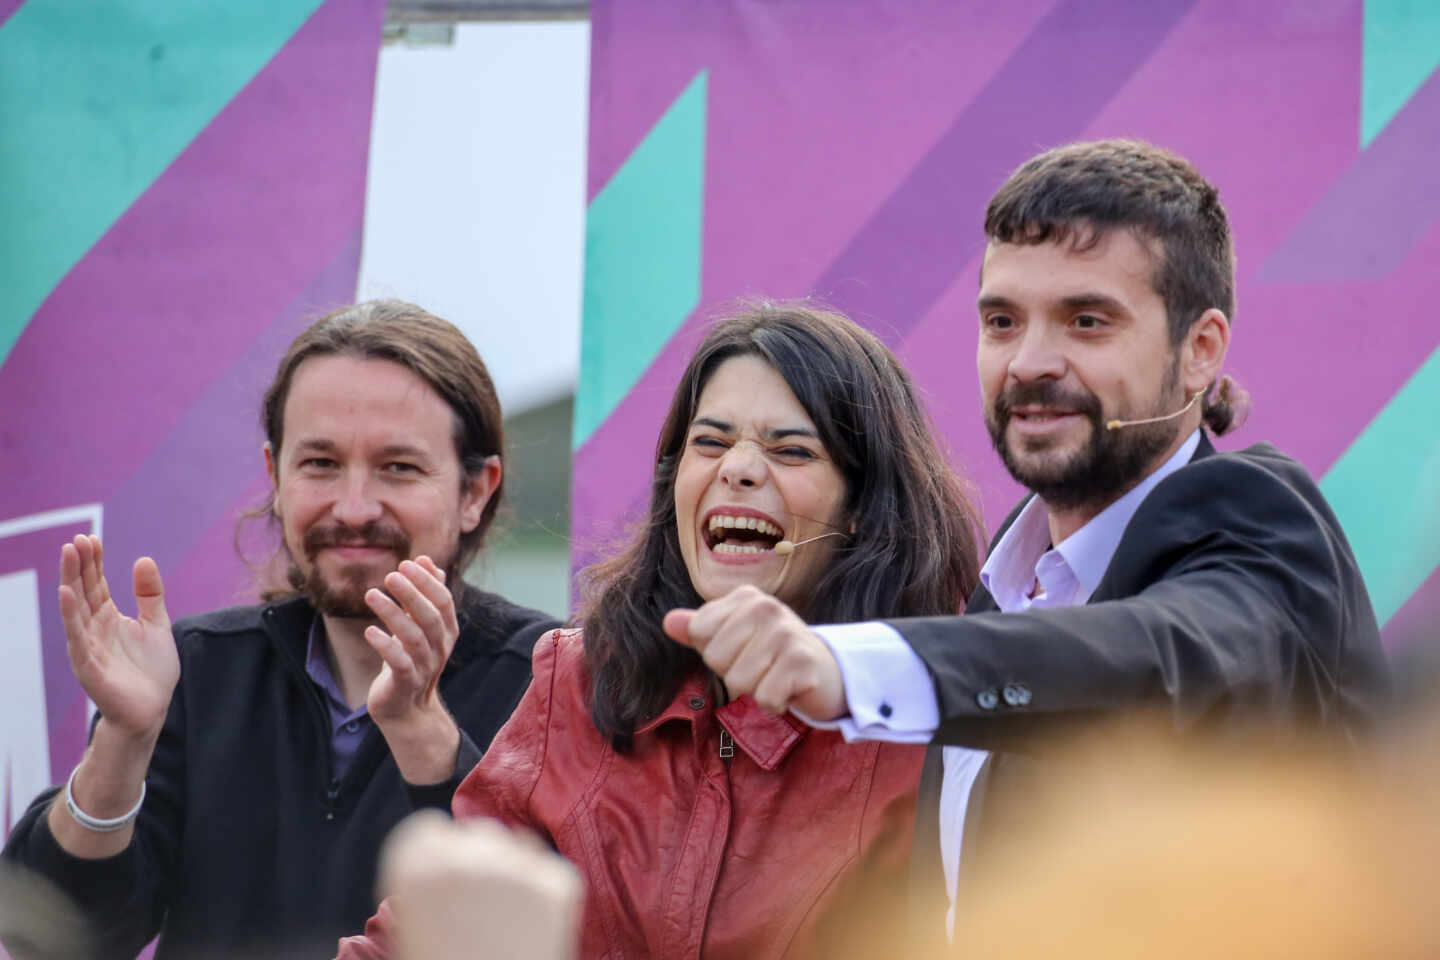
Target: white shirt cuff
890	693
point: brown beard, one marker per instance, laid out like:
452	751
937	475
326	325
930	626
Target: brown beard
1110	464
345	598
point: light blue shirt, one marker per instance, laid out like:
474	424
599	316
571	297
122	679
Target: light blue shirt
888	688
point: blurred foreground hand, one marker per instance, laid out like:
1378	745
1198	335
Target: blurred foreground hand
475	888
37	920
1145	852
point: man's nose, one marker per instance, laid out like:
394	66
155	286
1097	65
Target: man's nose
743	466
356	503
1037	355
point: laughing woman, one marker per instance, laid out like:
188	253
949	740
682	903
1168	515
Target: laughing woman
704	826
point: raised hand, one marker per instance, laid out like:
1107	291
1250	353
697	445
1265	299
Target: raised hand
456	885
403	700
759	646
128	666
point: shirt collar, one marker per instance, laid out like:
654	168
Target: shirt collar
317	667
1088	551
1009	571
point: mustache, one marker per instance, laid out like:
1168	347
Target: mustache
1046	393
372	534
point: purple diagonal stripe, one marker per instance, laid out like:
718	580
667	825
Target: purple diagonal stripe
1378	210
935	208
213	454
907	254
194	271
7	7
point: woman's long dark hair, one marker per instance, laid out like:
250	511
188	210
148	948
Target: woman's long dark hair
915	547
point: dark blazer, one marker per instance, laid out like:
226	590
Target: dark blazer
1232	599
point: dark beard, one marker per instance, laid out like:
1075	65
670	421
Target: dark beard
1109	465
345	598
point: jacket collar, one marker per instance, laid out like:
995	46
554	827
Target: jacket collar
981	600
765	738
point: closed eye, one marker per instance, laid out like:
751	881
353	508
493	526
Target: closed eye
707	443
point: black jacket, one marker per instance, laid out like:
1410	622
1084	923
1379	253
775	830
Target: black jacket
1232	602
245	846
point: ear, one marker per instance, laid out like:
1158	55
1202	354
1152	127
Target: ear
271	468
1203	353
478	490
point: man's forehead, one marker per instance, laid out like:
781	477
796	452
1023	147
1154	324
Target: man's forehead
1071	264
341	399
339	380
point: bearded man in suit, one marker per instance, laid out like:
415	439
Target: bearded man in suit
1145	573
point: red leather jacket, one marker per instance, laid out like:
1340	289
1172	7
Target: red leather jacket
788	843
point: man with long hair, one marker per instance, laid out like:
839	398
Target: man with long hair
1145	572
247	763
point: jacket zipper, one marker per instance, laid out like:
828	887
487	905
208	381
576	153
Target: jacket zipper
318	711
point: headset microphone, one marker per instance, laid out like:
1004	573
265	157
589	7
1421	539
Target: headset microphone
787	547
1117	424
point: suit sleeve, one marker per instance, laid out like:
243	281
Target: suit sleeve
1251	601
123	897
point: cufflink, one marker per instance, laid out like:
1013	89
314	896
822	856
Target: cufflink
988	699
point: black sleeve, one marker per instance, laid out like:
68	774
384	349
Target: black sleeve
437	796
481	697
1245	598
124	897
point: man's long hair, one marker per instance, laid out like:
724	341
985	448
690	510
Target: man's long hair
914	549
429	347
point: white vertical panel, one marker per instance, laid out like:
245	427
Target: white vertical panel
24	733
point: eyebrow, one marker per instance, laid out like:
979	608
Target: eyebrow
993	302
1095	301
321	445
779	433
1080	301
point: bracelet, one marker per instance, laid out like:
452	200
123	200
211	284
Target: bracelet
95	823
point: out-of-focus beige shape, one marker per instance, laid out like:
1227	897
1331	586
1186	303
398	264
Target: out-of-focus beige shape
37	921
1216	852
475	888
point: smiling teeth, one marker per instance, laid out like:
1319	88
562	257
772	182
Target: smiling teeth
738	548
720	522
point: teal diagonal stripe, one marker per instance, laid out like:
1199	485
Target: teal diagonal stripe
1401	49
96	100
642	258
1386	491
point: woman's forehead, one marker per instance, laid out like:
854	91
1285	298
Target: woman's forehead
745	391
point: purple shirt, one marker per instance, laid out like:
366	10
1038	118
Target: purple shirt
347	727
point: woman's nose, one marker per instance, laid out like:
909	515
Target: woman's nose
743	466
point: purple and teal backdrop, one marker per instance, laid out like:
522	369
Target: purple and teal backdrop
847	150
182	187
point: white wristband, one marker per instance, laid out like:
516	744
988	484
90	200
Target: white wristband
95	823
